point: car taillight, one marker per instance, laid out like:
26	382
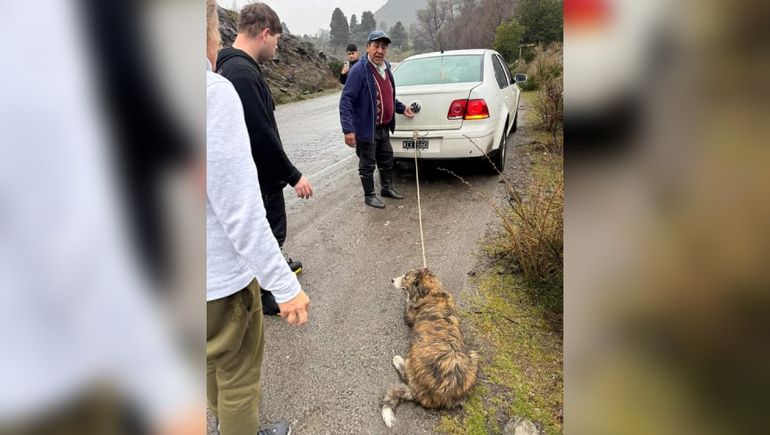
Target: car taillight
468	109
457	109
586	14
477	109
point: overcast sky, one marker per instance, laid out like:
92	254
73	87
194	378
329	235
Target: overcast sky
307	16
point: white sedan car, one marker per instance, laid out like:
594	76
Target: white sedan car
460	98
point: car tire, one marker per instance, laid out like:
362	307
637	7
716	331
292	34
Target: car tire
501	153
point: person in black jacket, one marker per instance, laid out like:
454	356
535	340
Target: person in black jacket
352	51
258	31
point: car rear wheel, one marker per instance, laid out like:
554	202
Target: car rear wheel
502	153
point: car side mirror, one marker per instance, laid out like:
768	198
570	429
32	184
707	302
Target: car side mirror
521	78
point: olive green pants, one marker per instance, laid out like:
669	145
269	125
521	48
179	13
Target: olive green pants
96	412
234	344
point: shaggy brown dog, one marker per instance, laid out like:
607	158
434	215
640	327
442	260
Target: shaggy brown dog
439	370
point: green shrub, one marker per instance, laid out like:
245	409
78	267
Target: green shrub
507	39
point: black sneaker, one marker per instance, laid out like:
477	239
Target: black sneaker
278	428
295	266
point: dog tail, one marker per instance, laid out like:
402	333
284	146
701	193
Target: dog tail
395	395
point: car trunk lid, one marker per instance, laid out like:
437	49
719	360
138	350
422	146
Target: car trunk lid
434	101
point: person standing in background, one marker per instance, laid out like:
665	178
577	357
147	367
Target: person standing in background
352	52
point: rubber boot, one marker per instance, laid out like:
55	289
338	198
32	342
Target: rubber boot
370	198
386	179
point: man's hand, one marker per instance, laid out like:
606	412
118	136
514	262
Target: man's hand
345	69
295	311
188	422
350	139
408	112
303	188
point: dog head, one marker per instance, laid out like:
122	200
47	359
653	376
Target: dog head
417	283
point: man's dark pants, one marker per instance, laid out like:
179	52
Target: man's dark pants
275	208
378	153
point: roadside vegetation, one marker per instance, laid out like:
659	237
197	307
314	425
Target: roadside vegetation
545	77
514	315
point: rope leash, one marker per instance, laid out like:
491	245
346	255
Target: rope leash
419	203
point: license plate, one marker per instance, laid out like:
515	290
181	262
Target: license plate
421	144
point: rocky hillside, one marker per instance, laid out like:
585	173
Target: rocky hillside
297	70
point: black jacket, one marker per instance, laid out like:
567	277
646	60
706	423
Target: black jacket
344	77
273	166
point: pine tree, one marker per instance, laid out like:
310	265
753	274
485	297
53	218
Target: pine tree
543	20
368	23
340	31
398	35
353	24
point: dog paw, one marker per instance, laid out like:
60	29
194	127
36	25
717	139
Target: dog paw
388	416
397	281
398	362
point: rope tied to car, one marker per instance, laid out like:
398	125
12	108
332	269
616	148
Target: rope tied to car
416	135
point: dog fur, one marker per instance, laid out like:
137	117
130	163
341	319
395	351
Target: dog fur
439	371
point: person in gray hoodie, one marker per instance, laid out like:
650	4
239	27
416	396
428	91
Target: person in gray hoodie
241	255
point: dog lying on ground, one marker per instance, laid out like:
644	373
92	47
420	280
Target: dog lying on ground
439	371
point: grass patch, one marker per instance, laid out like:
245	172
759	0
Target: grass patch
521	360
475	421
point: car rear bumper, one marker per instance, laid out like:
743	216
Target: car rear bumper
445	144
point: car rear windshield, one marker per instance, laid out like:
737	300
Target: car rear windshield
439	70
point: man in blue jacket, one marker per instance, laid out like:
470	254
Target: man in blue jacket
368	110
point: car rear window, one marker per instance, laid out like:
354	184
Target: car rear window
439	70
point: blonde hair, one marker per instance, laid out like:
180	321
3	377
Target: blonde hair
212	24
